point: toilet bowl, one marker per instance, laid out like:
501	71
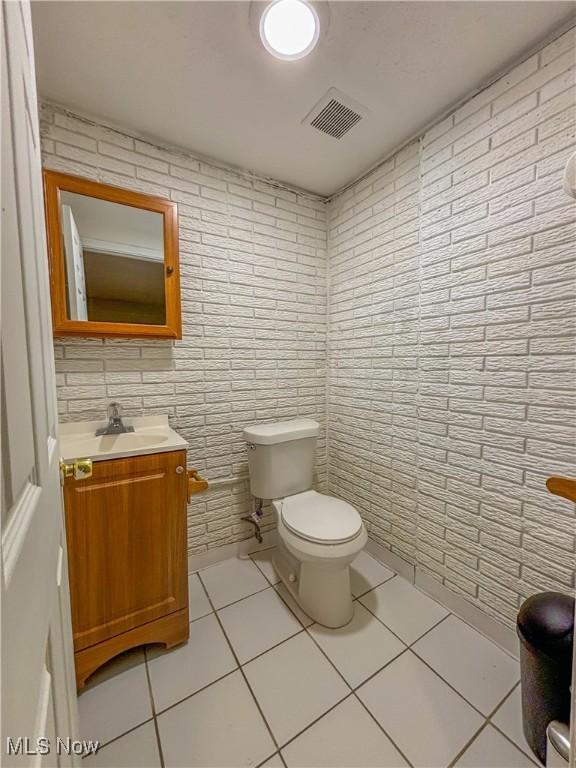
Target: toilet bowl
318	535
318	538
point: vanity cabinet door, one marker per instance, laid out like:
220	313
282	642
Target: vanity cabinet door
126	530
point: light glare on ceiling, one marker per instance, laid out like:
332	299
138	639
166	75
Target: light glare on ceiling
289	28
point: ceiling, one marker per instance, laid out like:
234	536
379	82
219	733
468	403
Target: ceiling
195	75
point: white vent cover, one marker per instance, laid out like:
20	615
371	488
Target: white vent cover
335	114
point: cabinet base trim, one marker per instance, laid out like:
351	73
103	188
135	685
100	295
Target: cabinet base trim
169	631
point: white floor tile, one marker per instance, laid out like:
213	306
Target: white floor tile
198	603
404	609
475	666
263	560
346	737
137	749
294	684
256	623
220	726
302	617
360	648
491	750
232	580
177	673
115	705
427	720
367	573
509	719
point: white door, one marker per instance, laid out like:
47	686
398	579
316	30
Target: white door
38	695
74	266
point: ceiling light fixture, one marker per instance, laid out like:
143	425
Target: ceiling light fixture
289	29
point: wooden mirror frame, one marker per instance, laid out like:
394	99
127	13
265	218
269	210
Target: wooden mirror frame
55	182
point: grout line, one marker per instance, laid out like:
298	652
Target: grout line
380	669
199	618
530	755
253	658
468	744
458	616
486	717
362	594
240	668
401	752
260	569
448	615
160	750
124	733
502	700
259	765
268	586
309	725
273	647
218	679
292	611
355	695
349	695
410	648
156	729
527	751
474	707
199	690
408	645
353	689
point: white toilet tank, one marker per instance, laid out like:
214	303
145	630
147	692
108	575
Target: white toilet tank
281	457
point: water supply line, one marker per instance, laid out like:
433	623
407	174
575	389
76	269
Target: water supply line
255	517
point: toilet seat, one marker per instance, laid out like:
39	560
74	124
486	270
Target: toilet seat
318	518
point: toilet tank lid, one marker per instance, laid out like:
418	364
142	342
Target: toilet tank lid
281	431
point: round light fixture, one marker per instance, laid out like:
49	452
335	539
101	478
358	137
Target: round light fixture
289	29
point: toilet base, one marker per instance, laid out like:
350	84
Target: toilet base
320	587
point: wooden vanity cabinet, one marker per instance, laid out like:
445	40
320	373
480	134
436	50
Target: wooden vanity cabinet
127	559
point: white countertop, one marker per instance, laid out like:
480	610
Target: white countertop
152	434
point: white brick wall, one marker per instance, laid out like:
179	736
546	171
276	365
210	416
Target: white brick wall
451	332
452	342
253	278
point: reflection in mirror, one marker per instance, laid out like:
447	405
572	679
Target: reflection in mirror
114	257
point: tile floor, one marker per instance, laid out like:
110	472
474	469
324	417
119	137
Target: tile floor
406	683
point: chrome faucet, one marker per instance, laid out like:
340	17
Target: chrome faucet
115	424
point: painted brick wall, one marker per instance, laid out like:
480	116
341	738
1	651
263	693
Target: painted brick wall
451	332
373	349
254	313
452	342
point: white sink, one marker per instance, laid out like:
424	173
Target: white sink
152	434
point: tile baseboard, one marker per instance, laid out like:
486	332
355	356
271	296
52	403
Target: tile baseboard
391	559
471	614
489	627
244	548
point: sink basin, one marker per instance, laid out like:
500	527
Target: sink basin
151	435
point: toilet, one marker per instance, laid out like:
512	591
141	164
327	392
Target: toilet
318	535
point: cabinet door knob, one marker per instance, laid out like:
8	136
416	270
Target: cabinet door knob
179	470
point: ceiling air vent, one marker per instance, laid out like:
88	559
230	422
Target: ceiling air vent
335	114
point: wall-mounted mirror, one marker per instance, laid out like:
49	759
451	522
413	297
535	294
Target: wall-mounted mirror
113	260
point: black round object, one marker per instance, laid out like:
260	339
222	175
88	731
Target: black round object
545	627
